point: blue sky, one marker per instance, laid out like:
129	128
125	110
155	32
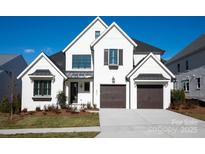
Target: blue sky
30	35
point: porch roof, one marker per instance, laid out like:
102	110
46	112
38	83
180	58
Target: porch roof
150	77
44	72
79	74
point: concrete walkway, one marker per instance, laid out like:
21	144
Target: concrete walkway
148	123
50	130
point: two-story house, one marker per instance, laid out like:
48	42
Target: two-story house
102	66
10	67
188	66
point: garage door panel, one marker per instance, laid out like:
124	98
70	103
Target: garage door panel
112	96
150	96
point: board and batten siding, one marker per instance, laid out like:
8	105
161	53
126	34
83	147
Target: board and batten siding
103	74
27	86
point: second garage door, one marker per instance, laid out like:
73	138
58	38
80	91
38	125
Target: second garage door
150	96
112	96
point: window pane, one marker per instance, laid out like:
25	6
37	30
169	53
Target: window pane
87	86
198	83
113	56
45	87
42	87
81	61
97	34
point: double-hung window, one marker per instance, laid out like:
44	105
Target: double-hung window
42	87
198	83
81	61
187	65
185	85
113	57
178	67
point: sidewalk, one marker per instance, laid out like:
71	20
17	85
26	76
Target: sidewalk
49	130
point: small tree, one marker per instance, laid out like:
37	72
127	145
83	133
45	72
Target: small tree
61	99
17	104
5	105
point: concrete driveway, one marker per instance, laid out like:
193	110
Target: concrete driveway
152	123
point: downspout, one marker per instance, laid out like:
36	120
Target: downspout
93	77
128	80
129	95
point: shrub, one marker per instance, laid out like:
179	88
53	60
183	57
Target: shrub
89	106
31	112
25	110
5	105
177	98
16	104
61	99
51	108
45	108
75	110
38	109
94	106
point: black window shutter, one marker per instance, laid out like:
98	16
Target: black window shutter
106	57
120	57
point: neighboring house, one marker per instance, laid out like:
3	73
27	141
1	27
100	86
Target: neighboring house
189	67
10	67
101	66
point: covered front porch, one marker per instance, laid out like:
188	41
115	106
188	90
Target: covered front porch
79	87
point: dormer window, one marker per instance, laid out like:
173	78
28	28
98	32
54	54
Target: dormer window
97	34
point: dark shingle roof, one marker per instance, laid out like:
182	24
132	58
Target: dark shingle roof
150	77
144	47
4	58
41	72
59	60
196	45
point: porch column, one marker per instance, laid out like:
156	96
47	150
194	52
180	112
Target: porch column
67	91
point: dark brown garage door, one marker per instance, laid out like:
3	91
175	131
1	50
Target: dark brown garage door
112	96
149	96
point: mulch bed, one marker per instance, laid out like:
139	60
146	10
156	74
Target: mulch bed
194	109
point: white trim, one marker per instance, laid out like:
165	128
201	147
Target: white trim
41	76
36	60
151	81
158	61
107	30
88	27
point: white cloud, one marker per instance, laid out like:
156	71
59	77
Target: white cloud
48	50
29	50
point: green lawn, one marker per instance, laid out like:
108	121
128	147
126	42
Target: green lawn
53	135
49	121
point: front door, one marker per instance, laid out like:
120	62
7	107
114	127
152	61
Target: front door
74	92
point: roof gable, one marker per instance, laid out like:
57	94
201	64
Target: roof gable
84	31
150	55
5	58
193	47
113	25
36	60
